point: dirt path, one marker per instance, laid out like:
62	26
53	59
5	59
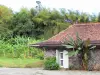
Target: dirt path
37	71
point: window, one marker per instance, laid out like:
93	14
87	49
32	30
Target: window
61	58
61	55
61	62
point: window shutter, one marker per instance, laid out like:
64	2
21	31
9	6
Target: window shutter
57	56
66	59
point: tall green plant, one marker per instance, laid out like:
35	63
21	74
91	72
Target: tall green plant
79	46
18	48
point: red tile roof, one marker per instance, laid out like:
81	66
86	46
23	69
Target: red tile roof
85	31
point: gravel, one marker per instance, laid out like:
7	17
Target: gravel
39	71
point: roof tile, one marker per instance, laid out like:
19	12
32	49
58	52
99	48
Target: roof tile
85	31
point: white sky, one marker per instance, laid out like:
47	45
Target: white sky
90	6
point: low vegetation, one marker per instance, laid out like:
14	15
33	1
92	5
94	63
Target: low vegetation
16	52
20	63
39	64
19	48
50	64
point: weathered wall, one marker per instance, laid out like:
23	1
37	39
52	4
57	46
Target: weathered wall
94	60
50	52
75	62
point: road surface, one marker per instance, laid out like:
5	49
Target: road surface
38	71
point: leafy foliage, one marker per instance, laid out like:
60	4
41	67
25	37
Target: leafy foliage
50	64
99	17
5	20
39	23
79	46
18	48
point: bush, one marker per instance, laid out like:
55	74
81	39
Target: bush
40	55
37	53
50	64
18	47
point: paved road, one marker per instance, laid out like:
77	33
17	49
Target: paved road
37	71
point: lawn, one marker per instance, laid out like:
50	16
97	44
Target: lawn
20	63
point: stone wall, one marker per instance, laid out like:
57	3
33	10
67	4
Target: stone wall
50	52
75	62
94	60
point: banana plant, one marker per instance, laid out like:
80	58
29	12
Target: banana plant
79	46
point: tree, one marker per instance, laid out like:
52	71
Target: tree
99	17
22	24
5	14
40	21
84	18
39	7
93	18
5	20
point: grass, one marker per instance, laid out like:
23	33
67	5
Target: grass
20	63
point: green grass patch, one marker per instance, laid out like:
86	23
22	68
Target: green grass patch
35	64
20	63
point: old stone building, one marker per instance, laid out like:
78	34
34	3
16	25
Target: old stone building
53	46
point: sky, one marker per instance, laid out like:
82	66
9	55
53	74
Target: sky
89	6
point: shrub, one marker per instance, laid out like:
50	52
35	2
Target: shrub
40	55
37	53
18	47
50	64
